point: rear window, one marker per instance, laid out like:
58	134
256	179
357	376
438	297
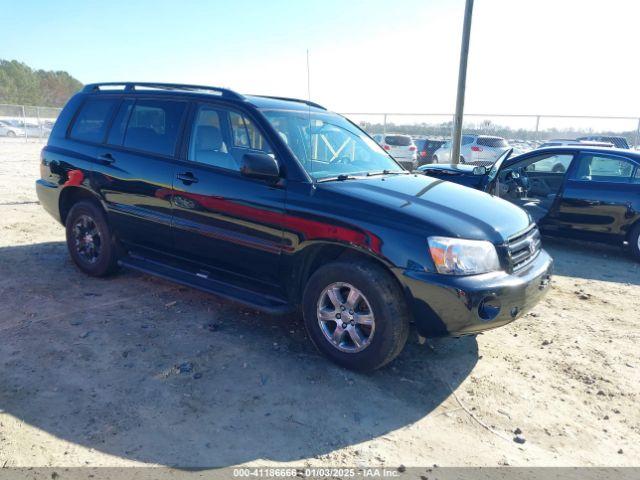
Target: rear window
492	142
420	144
91	122
398	140
153	126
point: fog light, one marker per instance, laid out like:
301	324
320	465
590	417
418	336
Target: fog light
489	308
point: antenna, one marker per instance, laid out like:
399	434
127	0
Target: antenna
308	78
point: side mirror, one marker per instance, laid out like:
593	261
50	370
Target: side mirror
260	165
480	170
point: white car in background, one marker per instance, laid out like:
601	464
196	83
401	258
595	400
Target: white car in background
400	147
10	129
474	150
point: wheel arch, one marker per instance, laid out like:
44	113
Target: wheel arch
319	254
73	194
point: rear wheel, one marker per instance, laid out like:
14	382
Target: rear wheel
90	241
355	314
634	242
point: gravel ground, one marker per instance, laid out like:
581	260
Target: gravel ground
134	370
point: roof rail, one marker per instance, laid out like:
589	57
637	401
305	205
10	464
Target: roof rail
289	99
131	86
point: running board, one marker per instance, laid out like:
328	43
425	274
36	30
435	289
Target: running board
264	303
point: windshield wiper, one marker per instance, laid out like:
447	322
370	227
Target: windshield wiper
387	172
339	178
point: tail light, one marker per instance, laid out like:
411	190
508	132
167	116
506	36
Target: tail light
476	149
386	147
412	148
423	153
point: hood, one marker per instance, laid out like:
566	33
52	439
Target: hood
421	202
462	174
460	169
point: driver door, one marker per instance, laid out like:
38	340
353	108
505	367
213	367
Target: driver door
535	183
225	222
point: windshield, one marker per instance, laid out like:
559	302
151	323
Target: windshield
327	145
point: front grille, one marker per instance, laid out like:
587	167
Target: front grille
523	248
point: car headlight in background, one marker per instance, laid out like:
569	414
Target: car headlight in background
456	256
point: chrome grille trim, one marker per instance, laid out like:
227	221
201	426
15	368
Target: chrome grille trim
522	249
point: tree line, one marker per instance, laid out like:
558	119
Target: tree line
22	85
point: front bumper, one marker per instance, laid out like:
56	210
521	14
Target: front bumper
449	305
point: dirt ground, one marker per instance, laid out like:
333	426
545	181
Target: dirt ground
134	370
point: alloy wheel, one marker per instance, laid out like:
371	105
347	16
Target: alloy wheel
345	317
87	239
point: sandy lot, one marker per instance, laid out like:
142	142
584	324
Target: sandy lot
134	370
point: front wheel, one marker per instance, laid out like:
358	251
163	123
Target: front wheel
90	241
11	134
355	314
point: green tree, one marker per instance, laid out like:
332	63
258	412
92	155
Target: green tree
19	84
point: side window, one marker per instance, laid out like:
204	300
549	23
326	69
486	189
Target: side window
604	168
467	139
550	164
207	144
636	177
92	120
245	134
153	126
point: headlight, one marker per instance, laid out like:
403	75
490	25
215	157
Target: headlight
455	256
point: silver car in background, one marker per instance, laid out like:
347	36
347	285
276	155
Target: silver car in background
400	147
475	150
10	129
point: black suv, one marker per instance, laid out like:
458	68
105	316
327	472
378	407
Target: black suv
281	205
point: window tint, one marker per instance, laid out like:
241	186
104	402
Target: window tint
245	133
398	140
603	168
207	144
92	120
116	134
495	142
550	164
153	126
467	139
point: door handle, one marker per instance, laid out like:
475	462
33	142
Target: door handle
106	158
187	178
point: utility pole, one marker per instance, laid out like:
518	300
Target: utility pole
462	83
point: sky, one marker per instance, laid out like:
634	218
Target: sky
526	56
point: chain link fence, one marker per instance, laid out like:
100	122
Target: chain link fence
486	136
26	122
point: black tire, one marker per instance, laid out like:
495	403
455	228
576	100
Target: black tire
559	168
382	293
11	134
98	256
634	242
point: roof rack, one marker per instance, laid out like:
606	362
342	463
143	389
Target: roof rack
289	99
131	86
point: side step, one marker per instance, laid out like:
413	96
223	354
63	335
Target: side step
262	302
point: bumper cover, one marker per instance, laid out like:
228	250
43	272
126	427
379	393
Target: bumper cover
449	305
49	195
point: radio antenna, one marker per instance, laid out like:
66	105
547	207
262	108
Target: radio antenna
308	78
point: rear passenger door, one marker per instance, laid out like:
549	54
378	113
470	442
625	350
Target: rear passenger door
138	169
227	223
